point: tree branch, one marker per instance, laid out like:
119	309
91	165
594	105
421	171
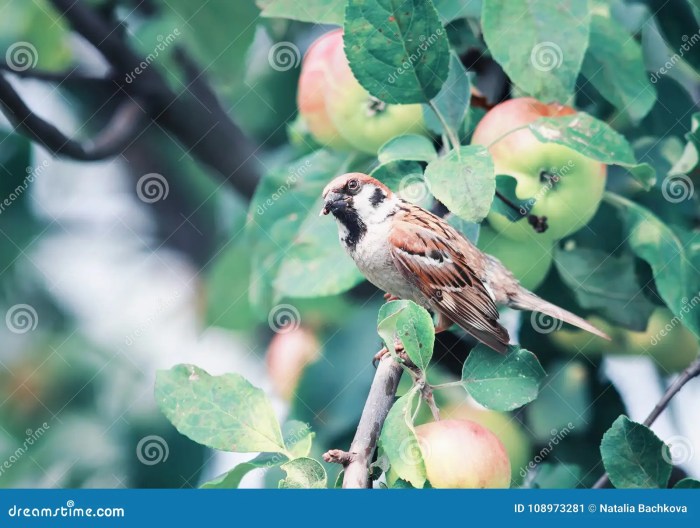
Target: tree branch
115	136
689	373
381	397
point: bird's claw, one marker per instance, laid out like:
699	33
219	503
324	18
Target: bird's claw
398	349
390	297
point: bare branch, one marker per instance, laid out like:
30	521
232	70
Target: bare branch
380	399
689	373
121	129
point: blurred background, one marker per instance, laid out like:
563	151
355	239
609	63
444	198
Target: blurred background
114	268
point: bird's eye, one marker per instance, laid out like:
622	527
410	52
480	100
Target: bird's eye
353	186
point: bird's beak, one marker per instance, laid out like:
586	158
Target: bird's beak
334	202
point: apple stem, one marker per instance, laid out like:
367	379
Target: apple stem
689	373
451	136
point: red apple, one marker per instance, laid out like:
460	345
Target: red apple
463	454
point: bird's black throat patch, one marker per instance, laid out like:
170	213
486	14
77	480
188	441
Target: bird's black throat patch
377	197
355	226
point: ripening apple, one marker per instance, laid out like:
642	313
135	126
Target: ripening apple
528	258
463	454
515	440
567	186
288	353
338	111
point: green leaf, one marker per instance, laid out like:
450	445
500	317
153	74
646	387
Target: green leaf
452	102
634	456
400	444
232	479
316	11
303	473
606	283
594	139
407	147
564	405
502	382
615	66
673	261
298	438
506	185
687	483
405	178
413	325
470	230
690	159
540	46
222	412
397	49
464	181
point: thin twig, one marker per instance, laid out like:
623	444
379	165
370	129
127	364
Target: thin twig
380	399
689	373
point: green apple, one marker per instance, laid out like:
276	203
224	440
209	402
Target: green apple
575	341
463	454
567	187
288	354
515	440
528	257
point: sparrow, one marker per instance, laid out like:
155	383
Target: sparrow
412	254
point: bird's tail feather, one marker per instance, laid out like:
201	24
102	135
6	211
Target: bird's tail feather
526	300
